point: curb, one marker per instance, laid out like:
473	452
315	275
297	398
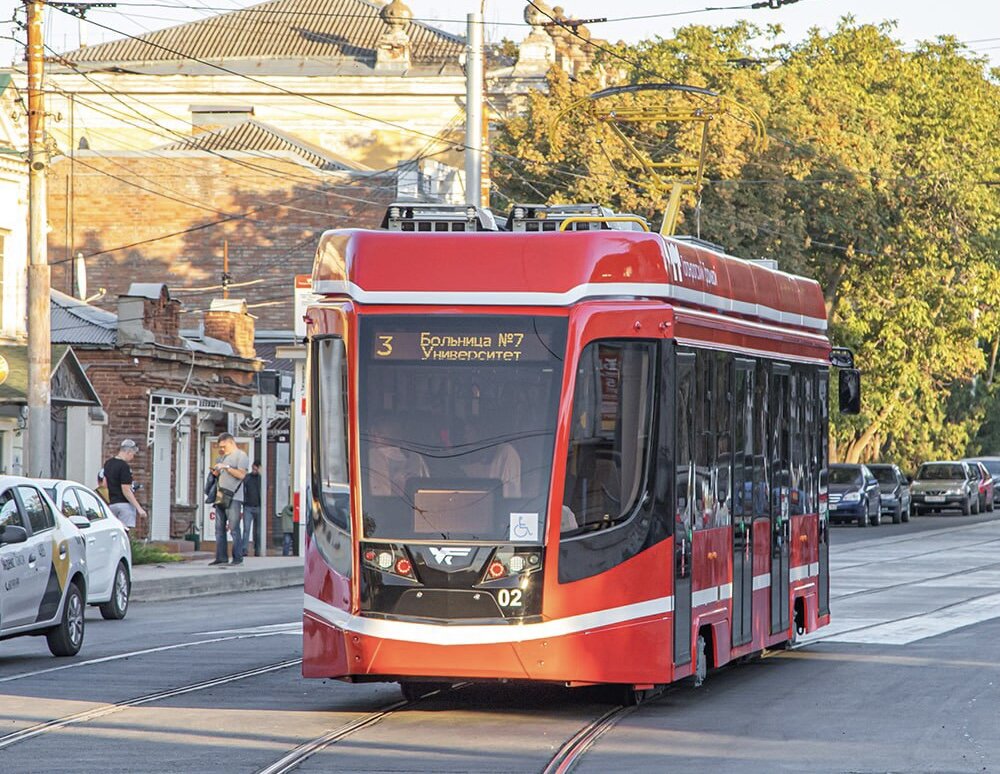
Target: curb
221	581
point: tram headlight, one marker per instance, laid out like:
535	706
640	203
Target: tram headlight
385	560
519	213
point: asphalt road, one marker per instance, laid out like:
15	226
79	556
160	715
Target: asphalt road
907	679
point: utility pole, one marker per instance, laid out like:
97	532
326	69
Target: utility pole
39	452
474	109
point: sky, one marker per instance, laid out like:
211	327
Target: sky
976	22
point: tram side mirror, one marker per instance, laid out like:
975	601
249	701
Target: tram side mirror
850	391
841	357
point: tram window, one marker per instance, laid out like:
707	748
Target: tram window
780	463
456	423
743	441
330	423
796	493
722	469
608	455
761	436
685	449
811	439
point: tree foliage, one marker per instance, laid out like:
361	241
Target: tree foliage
875	181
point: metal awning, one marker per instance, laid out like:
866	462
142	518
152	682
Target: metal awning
173	407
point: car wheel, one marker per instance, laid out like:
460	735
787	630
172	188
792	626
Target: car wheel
975	505
875	514
907	513
116	607
67	638
863	519
897	515
967	508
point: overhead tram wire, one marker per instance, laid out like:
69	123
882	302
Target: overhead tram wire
428	20
416	132
175	135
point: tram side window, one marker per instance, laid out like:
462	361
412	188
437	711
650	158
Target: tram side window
761	462
610	436
722	469
704	440
330	426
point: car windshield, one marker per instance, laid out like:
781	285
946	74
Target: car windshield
884	475
845	475
457	421
941	471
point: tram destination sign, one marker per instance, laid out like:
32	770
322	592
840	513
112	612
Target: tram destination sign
466	346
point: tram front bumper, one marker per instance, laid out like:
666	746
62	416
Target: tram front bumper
591	655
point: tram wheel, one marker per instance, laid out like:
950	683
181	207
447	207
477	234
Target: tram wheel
701	662
413	691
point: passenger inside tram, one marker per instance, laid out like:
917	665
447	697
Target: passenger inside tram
485	458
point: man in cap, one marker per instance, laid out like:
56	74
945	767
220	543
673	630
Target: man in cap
118	474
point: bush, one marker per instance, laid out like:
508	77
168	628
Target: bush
147	553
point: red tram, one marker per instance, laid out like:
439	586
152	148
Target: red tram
566	451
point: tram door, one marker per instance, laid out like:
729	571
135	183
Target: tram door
683	513
743	489
823	398
781	471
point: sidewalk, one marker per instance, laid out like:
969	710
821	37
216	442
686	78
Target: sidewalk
177	580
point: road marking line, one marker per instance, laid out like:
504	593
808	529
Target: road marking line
145	651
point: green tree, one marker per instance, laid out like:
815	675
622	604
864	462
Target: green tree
872	182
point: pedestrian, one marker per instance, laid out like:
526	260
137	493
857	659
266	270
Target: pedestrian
121	494
102	485
251	509
231	468
287	527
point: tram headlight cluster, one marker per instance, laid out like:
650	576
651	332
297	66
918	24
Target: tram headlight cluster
389	559
509	561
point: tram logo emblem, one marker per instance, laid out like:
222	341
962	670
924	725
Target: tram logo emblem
672	258
447	555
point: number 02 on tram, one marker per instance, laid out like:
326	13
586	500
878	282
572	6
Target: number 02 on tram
563	450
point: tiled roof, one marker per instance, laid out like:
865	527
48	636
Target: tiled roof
279	29
254	136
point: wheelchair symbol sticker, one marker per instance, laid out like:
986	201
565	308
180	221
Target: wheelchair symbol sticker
524	526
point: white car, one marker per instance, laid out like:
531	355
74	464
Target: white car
43	568
109	552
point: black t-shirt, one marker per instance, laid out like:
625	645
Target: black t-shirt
251	490
117	472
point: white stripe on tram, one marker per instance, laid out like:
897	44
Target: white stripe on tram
571	296
762	581
480	634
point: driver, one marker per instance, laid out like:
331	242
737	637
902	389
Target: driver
389	465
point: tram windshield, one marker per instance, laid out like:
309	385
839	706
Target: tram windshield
457	421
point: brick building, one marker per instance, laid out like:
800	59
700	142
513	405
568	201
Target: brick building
191	207
171	393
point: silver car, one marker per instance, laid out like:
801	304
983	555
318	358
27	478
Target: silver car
940	486
43	568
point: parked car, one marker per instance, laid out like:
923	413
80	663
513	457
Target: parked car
985	483
42	567
941	486
109	552
993	466
895	492
853	495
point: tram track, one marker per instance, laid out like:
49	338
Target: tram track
299	755
576	746
89	715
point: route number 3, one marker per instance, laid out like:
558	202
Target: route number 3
385	346
509	597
